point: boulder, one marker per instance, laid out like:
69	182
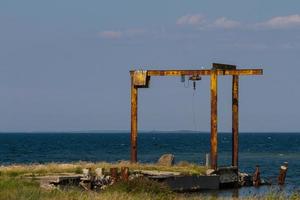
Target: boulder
245	179
166	160
210	172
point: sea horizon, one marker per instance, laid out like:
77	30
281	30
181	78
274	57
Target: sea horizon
144	132
269	150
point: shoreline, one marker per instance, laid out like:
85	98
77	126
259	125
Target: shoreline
13	175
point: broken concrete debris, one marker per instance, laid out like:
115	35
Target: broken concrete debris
99	178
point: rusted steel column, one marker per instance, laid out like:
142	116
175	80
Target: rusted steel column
282	173
125	173
256	177
134	101
235	120
114	174
214	120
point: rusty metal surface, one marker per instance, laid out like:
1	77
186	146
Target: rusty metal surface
235	120
195	78
282	173
222	66
114	174
140	78
125	173
214	120
134	107
256	177
203	72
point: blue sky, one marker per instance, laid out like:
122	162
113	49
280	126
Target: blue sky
64	64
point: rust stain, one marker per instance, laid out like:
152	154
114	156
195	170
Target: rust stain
214	119
140	79
235	120
134	108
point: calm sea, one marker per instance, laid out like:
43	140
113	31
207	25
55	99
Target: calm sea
269	150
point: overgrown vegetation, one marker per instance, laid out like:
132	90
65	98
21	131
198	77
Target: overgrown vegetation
42	169
142	186
14	187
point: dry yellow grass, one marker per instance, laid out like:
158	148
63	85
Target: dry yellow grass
51	168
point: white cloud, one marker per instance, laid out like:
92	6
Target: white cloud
111	34
225	23
195	19
279	22
199	21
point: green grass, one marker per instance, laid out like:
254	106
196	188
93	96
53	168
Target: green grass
14	187
142	186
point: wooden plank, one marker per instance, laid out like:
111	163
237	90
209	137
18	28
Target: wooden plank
134	107
214	119
235	120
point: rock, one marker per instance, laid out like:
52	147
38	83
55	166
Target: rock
210	172
245	179
166	160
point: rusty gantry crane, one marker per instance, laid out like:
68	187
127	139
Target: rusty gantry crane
141	78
